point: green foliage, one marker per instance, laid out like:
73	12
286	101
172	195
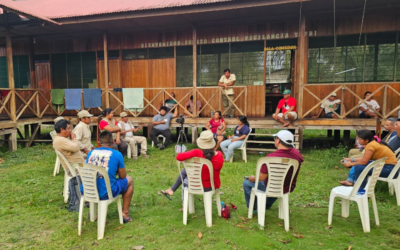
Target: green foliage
33	215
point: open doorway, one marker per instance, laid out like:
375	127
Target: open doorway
279	69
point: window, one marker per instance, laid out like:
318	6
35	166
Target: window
112	54
156	53
21	71
73	70
3	72
184	66
370	57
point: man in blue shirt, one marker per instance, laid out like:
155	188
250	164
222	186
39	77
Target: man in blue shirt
160	124
389	127
113	161
394	142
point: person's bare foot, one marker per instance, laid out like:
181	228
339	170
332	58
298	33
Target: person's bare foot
168	191
346	183
181	209
126	218
286	124
290	125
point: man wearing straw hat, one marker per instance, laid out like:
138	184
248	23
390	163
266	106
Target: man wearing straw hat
82	134
127	134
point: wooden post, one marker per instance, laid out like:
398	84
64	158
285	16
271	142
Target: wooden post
106	69
194	134
32	64
329	133
302	66
336	135
10	68
194	44
346	137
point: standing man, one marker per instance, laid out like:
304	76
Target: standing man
83	135
127	130
334	104
161	126
286	111
113	161
390	128
226	81
284	143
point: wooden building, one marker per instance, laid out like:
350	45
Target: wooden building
314	47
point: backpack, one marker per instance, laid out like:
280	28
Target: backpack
75	195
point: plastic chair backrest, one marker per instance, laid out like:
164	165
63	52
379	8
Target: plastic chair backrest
193	168
89	174
397	153
245	139
65	163
369	188
278	169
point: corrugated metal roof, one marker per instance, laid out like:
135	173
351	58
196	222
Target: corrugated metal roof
76	8
17	8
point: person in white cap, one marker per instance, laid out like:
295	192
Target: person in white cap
206	144
284	143
127	134
53	133
82	134
329	105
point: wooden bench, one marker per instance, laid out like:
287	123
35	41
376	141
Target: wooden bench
10	136
298	138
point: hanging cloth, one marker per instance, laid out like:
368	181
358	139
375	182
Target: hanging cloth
57	98
73	99
92	98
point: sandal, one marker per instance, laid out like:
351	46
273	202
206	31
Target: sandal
1	161
162	192
126	220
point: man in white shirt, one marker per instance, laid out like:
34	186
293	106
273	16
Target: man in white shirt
83	135
226	81
127	130
329	104
365	111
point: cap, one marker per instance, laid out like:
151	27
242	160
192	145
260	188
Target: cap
333	94
123	114
58	119
84	113
287	91
286	137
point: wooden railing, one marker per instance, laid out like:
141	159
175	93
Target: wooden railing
37	102
351	94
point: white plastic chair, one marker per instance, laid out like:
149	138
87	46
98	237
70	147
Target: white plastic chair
88	175
53	134
243	148
159	137
394	184
278	169
348	194
67	177
193	168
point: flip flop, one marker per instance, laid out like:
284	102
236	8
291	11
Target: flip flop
126	220
166	195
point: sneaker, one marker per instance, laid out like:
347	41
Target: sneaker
162	147
146	156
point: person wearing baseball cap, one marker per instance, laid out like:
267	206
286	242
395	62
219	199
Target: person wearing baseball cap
331	104
82	134
284	142
286	111
206	144
127	134
53	133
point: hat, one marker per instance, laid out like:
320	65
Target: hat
286	137
206	140
123	114
333	94
84	113
287	91
58	119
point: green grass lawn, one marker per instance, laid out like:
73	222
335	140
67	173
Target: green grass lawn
32	213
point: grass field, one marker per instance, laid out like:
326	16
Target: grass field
32	213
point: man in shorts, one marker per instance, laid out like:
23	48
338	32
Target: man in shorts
113	161
329	104
286	111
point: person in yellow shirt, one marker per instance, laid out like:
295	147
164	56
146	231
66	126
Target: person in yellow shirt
226	82
373	151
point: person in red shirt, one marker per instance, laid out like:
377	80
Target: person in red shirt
108	123
217	127
206	143
286	111
284	143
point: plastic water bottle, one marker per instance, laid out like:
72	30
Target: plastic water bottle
398	114
212	113
222	204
